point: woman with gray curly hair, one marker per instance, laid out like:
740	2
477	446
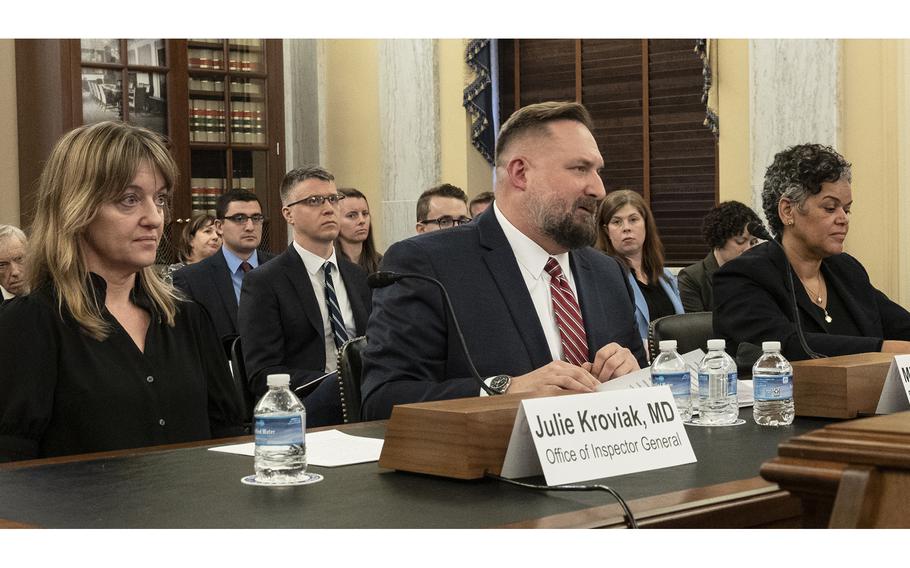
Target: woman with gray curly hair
804	278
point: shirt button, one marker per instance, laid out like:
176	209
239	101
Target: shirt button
150	379
161	422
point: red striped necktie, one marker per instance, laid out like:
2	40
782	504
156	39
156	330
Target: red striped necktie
568	316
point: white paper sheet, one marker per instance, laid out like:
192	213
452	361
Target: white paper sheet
330	448
642	378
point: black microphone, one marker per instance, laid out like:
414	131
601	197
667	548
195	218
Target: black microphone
757	229
382	279
799	326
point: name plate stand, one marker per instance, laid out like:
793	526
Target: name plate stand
896	391
590	436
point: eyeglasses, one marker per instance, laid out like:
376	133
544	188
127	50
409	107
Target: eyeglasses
318	200
241	219
446	222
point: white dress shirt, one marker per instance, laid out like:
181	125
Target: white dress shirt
531	259
314	265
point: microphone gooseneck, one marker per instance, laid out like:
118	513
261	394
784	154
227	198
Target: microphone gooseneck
385	278
799	326
757	229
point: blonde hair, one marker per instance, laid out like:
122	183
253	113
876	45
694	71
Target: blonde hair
89	167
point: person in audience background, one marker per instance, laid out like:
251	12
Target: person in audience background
627	231
480	203
441	207
13	280
215	282
102	355
355	237
541	310
298	310
807	198
726	230
199	239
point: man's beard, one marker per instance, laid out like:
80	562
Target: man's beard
560	225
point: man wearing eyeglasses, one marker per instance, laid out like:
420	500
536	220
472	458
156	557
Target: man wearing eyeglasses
441	207
297	312
541	310
215	282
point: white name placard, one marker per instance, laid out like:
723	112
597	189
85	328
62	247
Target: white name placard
589	436
896	391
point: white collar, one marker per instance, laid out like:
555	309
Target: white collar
530	255
314	262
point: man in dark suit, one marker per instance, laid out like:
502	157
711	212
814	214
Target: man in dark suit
541	310
299	309
215	282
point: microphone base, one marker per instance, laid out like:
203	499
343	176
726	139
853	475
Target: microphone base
463	438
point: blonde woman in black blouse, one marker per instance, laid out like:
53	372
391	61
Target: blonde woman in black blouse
102	355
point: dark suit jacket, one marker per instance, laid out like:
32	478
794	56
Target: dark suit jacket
753	303
209	283
413	352
282	329
695	285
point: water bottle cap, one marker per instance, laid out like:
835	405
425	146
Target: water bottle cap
715	344
278	380
667	345
770	346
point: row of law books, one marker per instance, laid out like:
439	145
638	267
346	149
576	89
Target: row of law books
213	59
204	192
208	121
217	86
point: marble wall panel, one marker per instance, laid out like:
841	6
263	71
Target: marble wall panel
409	130
795	98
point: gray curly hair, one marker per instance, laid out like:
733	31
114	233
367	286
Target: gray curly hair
798	172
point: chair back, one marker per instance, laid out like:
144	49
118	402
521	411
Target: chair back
240	380
691	331
350	369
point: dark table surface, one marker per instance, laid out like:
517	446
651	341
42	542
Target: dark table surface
194	487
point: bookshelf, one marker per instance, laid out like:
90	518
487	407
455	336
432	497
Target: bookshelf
220	102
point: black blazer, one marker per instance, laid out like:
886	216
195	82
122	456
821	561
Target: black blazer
282	328
753	303
209	283
695	285
413	353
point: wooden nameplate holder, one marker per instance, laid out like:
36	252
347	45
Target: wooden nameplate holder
840	387
462	438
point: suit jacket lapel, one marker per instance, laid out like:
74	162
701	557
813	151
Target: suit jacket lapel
862	320
221	276
589	300
503	267
300	280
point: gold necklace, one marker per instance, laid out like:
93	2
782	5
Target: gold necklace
817	299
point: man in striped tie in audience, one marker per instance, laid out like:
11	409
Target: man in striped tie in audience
540	309
298	310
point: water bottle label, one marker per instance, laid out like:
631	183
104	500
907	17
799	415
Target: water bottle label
773	387
281	430
678	382
731	384
703	384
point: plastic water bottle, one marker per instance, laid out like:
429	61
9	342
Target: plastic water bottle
772	377
670	369
279	423
717	404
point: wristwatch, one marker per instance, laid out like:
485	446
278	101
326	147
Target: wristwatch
499	384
